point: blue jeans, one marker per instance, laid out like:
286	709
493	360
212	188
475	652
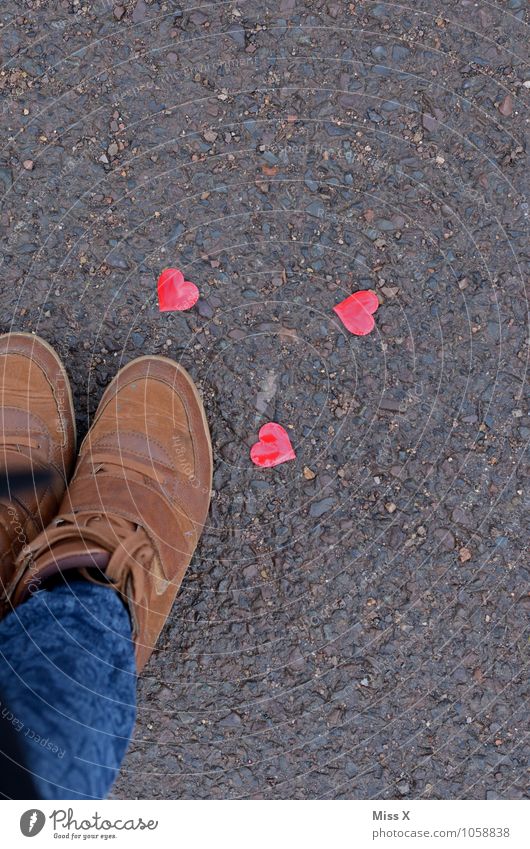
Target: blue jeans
68	687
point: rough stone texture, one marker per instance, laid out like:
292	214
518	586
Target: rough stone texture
285	154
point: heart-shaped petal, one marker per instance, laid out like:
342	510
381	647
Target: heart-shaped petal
175	293
274	446
356	312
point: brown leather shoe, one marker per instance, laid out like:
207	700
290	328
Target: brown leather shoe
37	433
139	497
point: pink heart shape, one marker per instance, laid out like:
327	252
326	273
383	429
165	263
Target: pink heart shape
175	293
274	446
356	312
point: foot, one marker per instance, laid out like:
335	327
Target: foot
37	434
139	497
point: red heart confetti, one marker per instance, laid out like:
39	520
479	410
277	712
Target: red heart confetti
356	312
274	446
175	293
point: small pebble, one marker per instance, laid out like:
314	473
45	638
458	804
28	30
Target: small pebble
320	507
506	107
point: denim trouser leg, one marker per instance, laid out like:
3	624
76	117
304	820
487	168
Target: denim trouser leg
68	687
